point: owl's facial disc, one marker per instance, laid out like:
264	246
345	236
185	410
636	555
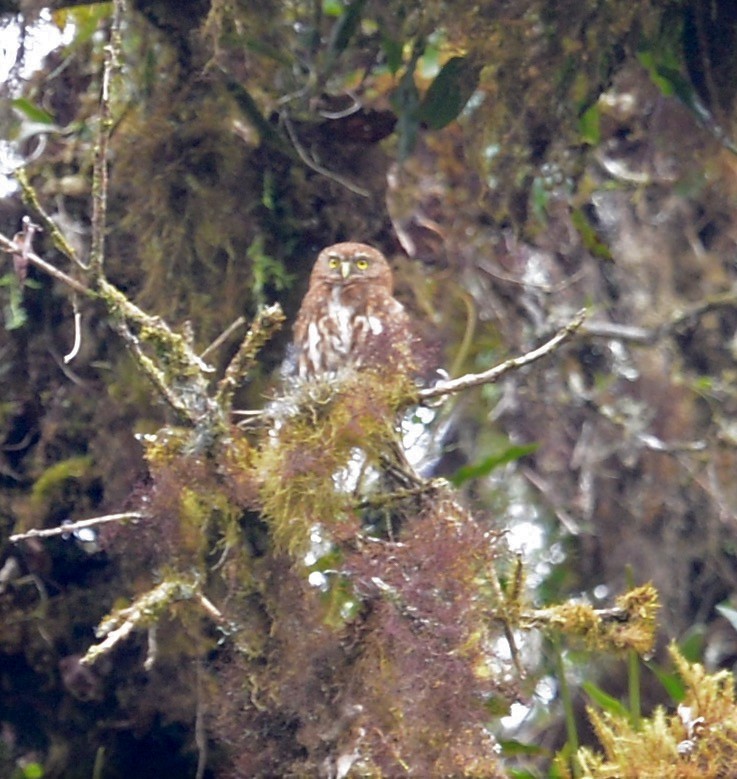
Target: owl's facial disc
346	266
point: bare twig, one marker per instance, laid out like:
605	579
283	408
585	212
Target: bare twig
314	165
619	332
223	337
24	239
568	522
494	374
72	527
52	270
152	652
200	726
649	335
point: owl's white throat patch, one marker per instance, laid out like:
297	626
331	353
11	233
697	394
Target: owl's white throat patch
343	316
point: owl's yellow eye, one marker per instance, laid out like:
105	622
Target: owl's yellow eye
362	263
333	262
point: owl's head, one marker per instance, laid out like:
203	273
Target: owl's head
351	263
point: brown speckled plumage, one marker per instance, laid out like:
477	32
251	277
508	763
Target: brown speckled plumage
349	318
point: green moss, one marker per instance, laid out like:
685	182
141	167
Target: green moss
327	428
699	741
53	480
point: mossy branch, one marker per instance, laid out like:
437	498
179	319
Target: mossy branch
100	168
629	624
30	197
267	321
142	613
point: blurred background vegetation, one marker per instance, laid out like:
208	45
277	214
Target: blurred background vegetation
516	161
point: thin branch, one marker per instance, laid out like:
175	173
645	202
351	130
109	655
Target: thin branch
223	337
619	332
650	335
52	270
200	726
544	488
100	169
58	238
494	374
314	165
73	527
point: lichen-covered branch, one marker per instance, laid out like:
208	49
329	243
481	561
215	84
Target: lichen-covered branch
105	125
58	238
142	613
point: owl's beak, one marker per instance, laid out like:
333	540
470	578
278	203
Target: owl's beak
345	268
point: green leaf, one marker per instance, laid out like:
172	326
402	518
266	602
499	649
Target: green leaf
87	18
332	7
405	100
488	464
346	26
32	771
497	706
449	92
691	646
589	125
606	702
672	682
589	236
392	52
540	196
513	748
32	111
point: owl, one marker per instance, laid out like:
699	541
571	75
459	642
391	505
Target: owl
350	319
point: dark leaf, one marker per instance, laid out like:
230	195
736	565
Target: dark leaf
392	52
672	682
488	464
589	236
449	92
405	101
347	25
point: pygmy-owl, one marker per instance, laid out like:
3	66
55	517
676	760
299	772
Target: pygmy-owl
349	318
